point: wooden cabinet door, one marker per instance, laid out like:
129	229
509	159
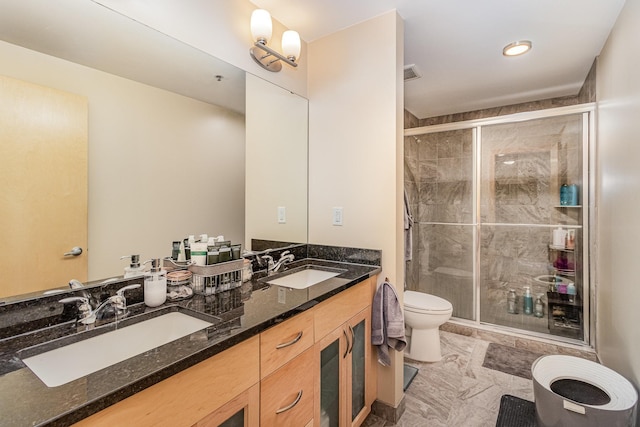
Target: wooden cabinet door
345	375
361	383
43	200
243	410
330	377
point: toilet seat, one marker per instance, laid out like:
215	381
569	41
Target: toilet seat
420	302
547	369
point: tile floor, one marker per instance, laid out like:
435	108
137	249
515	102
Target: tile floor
457	391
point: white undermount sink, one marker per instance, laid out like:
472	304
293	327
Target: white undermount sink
65	364
304	277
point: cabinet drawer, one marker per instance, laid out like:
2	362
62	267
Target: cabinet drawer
287	395
283	342
335	311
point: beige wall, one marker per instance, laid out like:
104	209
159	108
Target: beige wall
154	158
218	27
618	186
355	149
276	163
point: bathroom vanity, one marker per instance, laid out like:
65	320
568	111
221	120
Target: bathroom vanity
266	358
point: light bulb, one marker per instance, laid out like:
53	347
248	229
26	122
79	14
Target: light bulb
261	25
291	44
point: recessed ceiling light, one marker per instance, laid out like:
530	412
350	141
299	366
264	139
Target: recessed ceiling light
517	48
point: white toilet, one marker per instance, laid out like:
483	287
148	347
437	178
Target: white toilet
423	315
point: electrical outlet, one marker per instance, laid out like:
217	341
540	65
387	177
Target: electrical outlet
282	215
282	296
337	216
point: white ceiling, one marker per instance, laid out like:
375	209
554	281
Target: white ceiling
90	34
457	45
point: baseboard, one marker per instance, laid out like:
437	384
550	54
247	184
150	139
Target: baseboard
388	412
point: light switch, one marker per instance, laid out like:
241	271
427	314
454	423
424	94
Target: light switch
337	216
282	215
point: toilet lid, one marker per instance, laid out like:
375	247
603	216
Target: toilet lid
422	301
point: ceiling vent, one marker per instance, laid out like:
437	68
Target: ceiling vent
411	72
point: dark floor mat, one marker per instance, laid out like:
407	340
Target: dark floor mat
510	360
409	374
516	412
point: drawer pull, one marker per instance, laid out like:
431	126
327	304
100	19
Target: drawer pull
292	342
294	403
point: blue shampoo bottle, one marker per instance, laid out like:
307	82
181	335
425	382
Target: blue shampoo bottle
528	301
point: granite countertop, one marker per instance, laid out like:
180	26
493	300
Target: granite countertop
236	314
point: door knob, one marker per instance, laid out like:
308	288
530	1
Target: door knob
75	251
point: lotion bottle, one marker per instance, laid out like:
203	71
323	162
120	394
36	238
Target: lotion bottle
528	301
134	269
155	284
559	237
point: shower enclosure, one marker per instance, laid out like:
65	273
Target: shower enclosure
489	223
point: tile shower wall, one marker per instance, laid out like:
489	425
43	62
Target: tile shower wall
439	183
522	166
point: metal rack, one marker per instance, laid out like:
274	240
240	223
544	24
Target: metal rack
212	279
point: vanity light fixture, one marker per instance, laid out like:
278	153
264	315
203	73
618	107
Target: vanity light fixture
268	58
517	48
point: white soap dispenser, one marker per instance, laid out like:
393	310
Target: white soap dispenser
134	269
155	284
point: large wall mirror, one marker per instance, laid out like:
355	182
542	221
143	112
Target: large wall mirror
171	139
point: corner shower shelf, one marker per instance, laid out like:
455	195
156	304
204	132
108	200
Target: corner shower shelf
561	249
567	206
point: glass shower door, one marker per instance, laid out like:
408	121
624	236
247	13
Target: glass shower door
439	180
523	167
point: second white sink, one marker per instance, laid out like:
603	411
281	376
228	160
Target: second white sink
305	277
65	364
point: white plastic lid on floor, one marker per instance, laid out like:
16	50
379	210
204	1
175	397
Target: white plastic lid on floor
422	301
548	369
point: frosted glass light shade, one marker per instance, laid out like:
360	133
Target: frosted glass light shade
261	25
291	44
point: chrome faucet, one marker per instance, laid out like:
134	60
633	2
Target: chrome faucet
285	258
76	284
87	315
270	263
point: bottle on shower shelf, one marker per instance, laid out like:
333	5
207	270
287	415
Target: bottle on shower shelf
527	301
538	309
512	298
